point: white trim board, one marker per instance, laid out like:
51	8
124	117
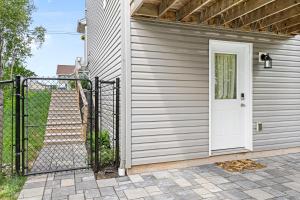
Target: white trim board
248	70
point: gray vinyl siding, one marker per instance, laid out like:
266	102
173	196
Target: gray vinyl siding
170	74
104	39
105	52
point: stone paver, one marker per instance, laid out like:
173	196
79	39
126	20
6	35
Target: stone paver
279	180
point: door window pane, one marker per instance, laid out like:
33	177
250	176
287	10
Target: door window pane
225	76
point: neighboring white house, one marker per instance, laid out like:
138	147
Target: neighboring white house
192	93
65	71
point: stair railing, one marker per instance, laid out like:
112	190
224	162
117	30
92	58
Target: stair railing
83	105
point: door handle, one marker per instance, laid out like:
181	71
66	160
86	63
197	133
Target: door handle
242	96
243	105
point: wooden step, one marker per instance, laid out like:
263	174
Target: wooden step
66	130
64	124
63	136
63	141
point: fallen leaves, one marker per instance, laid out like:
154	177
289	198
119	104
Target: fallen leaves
240	165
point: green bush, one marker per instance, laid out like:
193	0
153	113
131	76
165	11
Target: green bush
106	152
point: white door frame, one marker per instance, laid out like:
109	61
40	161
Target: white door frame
249	110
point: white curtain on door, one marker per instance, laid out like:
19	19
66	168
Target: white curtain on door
225	76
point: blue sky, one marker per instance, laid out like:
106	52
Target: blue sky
57	16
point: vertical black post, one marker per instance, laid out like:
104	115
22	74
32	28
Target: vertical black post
91	122
18	124
117	162
96	124
23	126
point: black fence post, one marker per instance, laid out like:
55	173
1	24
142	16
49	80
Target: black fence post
117	161
23	85
18	124
91	122
96	124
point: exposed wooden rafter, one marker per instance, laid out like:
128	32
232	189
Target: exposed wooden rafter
263	12
286	23
165	6
135	6
293	29
148	10
190	8
239	11
277	18
218	8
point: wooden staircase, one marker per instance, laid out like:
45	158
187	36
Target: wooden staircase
64	124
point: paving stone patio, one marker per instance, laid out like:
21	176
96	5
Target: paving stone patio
61	157
280	180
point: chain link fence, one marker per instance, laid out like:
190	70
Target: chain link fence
7	127
107	115
56	132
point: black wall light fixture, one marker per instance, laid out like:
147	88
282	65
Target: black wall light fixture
267	60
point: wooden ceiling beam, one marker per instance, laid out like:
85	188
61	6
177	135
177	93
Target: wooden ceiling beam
263	12
285	24
135	6
277	18
217	8
239	11
190	8
148	10
293	29
164	6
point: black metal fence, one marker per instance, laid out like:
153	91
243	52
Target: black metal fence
56	132
107	114
53	124
7	126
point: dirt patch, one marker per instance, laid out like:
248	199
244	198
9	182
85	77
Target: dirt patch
107	173
240	165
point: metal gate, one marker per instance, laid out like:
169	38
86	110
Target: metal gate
107	119
57	125
7	127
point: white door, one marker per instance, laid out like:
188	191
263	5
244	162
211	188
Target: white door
230	96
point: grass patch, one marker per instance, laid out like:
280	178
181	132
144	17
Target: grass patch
37	109
106	152
10	187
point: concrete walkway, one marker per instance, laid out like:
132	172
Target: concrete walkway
280	180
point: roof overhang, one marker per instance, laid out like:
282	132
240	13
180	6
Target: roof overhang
81	25
270	16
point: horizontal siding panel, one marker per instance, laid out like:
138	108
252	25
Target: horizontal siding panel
167	138
166	110
168	158
171	63
168	104
276	146
169	97
168	124
278	118
166	145
168	90
169	83
173	151
168	117
276	135
202	49
171	131
163	69
169	76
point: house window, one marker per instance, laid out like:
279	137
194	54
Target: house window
225	76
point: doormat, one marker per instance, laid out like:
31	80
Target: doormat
240	165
